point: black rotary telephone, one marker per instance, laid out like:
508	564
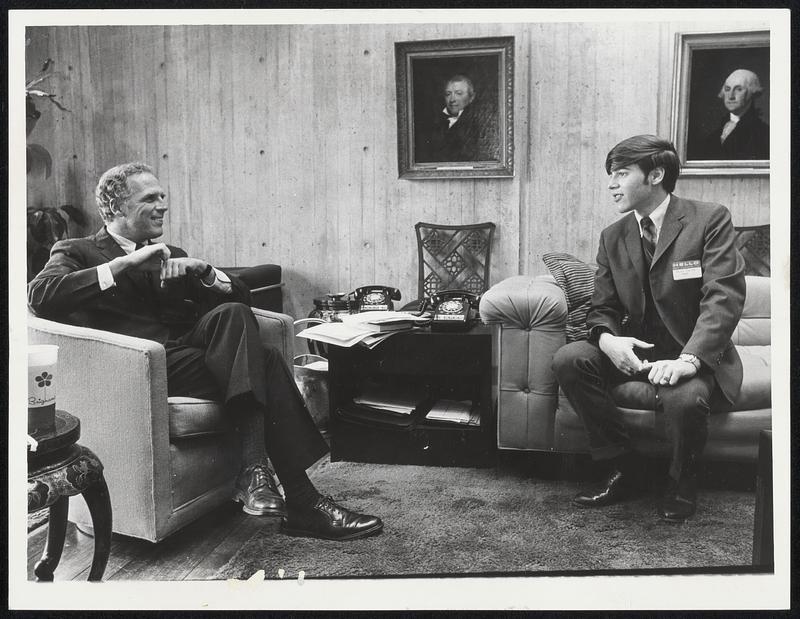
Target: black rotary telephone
375	298
453	310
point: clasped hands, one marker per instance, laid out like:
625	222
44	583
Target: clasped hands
156	258
619	350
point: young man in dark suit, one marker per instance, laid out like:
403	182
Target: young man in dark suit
669	291
117	280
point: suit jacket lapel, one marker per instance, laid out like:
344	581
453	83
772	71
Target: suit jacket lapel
670	229
107	245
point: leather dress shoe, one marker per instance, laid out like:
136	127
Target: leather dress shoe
679	502
256	490
328	520
615	488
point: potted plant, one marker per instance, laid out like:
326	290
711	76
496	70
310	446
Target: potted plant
46	224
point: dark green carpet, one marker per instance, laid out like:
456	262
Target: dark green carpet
467	521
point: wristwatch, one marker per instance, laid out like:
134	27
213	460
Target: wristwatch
206	273
690	358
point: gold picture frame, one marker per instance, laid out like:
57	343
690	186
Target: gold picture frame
479	142
703	64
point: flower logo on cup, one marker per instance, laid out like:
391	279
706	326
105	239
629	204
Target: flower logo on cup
44	380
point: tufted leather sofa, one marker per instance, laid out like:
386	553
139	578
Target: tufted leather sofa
529	316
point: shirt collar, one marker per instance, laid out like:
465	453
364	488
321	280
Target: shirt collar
657	216
127	245
734	118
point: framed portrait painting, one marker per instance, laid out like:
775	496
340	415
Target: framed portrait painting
720	111
455	108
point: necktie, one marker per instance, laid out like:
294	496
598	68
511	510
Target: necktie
648	238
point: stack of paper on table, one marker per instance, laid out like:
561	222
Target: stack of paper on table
387	398
454	411
364	328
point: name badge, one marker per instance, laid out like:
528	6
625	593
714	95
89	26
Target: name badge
686	269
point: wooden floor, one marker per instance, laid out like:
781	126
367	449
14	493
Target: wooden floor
197	552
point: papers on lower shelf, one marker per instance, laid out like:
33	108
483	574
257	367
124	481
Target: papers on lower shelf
454	411
367	328
387	398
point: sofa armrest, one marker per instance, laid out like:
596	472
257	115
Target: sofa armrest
525	302
529	314
277	330
117	386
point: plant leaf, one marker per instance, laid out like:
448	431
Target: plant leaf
50	97
57	225
37	80
39	161
75	214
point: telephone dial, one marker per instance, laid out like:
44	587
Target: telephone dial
375	298
453	310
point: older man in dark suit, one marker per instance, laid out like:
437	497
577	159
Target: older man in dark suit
464	129
669	292
741	135
117	280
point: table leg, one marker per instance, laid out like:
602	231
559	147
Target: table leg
56	531
99	504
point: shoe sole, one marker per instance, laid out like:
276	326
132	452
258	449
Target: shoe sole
255	512
377	528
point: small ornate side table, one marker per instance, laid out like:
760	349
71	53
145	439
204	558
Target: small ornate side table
57	470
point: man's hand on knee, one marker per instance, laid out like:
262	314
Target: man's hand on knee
619	350
670	371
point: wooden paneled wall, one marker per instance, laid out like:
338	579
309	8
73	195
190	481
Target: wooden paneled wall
278	143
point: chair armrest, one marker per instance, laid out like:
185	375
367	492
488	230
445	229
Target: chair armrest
277	330
117	386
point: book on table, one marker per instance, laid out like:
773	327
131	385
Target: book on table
384	321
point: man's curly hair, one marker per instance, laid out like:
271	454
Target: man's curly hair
113	190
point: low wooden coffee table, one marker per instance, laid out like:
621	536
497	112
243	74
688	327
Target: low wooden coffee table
57	470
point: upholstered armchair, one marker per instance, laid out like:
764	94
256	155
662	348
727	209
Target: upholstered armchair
167	461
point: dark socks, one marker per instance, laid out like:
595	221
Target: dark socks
627	464
250	421
299	490
297	487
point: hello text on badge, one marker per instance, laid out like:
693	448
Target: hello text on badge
686	269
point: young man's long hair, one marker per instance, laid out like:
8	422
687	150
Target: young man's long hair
647	152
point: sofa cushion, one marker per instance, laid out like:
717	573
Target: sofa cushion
757	378
190	417
755	324
576	279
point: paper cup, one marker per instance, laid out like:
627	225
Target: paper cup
42	371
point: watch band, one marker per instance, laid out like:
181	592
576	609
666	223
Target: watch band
690	358
206	273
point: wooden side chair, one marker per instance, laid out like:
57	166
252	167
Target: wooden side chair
753	243
453	257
